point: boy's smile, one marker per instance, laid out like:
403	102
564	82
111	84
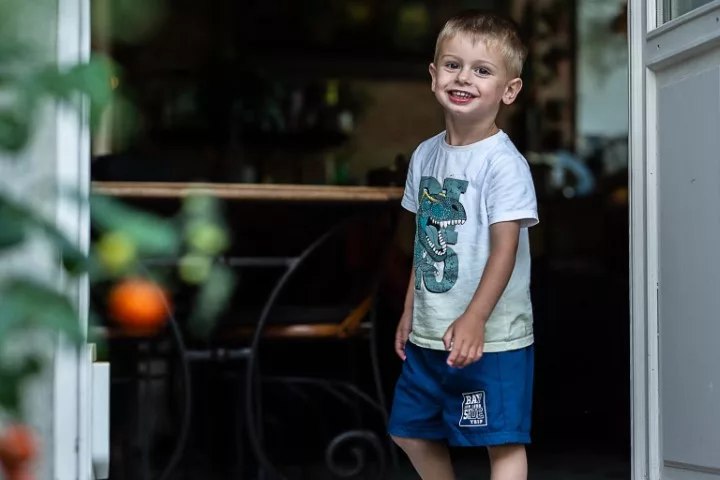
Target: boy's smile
471	80
460	97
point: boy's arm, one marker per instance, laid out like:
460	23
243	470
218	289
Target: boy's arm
410	293
466	336
504	237
405	324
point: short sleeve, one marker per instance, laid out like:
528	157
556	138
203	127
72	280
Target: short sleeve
409	200
511	193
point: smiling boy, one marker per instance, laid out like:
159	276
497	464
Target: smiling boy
466	334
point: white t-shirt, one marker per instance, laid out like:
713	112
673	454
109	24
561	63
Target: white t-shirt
457	192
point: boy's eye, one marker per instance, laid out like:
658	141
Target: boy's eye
482	71
452	65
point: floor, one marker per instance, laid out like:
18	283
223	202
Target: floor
554	467
542	467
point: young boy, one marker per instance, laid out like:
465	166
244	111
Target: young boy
468	366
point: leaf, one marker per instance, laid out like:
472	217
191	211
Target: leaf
74	261
212	299
151	234
10	392
93	79
26	303
14	132
13	224
16	219
13	377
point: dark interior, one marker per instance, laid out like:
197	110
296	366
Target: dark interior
274	92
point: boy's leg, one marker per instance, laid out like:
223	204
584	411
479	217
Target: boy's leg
489	404
430	459
416	421
508	462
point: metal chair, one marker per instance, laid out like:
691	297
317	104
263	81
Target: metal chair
277	322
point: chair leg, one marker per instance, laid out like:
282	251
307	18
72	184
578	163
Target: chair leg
236	385
259	424
241	419
353	365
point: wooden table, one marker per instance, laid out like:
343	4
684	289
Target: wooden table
251	191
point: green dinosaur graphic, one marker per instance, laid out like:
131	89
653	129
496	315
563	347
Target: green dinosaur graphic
439	211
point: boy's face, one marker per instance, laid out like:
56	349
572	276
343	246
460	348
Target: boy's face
471	80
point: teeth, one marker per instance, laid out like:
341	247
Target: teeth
447	223
461	94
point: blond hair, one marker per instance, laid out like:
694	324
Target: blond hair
496	31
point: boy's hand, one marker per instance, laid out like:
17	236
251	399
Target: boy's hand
402	333
465	339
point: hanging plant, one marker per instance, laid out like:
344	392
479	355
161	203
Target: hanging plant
28	305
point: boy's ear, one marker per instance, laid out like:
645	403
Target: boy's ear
512	90
433	75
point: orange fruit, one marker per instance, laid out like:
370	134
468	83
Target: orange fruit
17	447
139	306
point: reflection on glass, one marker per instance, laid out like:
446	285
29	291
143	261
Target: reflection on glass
672	9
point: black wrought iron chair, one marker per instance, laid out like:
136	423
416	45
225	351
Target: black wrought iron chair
281	320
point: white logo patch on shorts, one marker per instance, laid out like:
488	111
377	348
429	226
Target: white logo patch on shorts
474	413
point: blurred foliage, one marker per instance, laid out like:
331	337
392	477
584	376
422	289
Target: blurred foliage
125	235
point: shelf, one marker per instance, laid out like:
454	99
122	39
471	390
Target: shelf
248	191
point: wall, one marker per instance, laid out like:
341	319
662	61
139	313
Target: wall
400	115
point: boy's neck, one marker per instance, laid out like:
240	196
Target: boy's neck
460	133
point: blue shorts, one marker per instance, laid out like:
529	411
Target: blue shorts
487	403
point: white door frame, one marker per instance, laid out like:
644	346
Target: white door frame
645	438
71	413
652	48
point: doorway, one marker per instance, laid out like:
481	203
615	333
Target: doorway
576	142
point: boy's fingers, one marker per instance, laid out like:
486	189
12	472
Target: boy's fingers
473	355
464	356
401	337
400	346
478	353
448	338
456	353
400	350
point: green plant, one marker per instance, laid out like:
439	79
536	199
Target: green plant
124	235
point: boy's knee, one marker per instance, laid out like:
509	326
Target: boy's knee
411	445
499	452
508	462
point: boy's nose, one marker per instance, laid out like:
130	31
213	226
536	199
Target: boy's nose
463	76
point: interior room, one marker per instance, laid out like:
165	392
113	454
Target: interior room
329	98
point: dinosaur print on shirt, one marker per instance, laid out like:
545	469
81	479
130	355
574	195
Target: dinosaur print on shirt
439	212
